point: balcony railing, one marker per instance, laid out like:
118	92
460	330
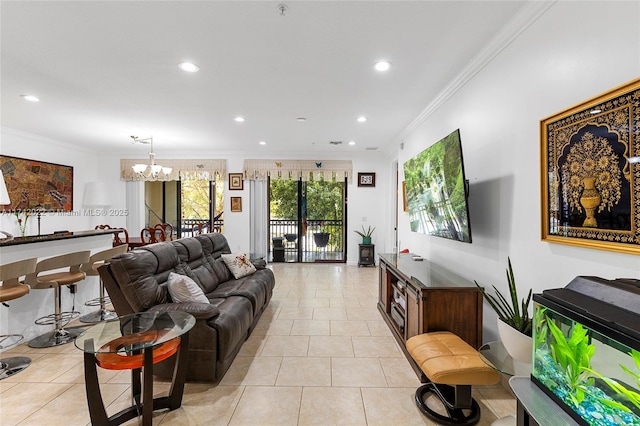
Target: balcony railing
319	236
188	225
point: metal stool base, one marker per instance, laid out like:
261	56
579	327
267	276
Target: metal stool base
13	365
98	316
56	338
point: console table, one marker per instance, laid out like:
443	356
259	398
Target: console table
417	296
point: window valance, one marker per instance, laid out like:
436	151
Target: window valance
298	169
201	169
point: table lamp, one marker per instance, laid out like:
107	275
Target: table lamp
4	200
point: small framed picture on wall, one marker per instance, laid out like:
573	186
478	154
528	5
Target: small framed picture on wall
367	179
235	181
236	204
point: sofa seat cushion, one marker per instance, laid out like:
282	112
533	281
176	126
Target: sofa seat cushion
232	324
252	290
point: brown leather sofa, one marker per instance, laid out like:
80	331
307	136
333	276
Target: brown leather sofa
137	282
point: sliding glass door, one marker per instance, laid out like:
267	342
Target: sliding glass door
306	221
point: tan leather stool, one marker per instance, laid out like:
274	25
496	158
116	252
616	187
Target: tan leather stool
56	280
91	269
11	289
452	366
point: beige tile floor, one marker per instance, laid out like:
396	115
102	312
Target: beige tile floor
320	355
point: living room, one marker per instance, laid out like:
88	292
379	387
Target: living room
547	58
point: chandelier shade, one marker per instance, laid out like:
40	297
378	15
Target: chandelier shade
152	170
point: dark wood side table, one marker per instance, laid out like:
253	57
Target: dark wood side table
136	342
366	255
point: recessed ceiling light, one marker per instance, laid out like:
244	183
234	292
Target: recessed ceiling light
239	119
188	67
361	119
30	98
352	142
262	143
301	119
382	66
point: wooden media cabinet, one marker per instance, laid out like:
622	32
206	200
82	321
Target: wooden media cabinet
417	296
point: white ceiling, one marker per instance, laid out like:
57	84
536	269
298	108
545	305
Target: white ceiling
105	70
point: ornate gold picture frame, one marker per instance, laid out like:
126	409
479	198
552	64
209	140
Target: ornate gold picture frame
590	177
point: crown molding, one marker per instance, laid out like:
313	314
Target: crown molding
526	16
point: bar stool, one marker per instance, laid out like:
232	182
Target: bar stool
91	269
11	288
72	261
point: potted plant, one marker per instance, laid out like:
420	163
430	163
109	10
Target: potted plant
366	234
321	236
513	315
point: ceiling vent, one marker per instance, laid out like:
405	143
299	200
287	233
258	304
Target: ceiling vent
335	142
371	148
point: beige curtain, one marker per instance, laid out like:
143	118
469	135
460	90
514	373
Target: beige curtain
298	169
202	169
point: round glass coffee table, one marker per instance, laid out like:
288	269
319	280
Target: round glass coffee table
136	342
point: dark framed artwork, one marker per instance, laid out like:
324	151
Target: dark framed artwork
37	185
236	204
367	179
236	181
590	177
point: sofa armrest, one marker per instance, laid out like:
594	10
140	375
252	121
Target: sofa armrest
259	263
198	310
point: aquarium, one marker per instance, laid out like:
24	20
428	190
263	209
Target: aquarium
586	349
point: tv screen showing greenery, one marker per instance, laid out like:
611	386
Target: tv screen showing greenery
436	193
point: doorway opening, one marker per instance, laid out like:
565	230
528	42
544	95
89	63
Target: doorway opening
306	221
190	206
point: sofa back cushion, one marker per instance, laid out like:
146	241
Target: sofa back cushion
143	273
214	245
196	264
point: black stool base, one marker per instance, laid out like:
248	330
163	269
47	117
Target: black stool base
467	413
56	338
13	365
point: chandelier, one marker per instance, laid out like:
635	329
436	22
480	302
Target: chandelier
151	170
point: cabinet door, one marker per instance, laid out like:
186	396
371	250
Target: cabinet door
384	288
413	316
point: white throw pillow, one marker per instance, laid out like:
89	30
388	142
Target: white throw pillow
184	289
239	264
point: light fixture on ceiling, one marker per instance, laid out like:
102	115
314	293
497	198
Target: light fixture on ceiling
361	119
262	143
30	98
151	170
239	119
382	66
352	143
188	67
282	8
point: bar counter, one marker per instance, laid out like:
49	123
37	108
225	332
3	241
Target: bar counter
25	310
62	235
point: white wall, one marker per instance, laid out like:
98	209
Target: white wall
574	51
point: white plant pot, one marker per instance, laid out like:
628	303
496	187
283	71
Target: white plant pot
518	345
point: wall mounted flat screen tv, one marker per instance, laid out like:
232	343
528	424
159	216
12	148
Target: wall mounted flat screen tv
436	190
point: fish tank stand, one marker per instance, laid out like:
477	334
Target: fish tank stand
534	407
